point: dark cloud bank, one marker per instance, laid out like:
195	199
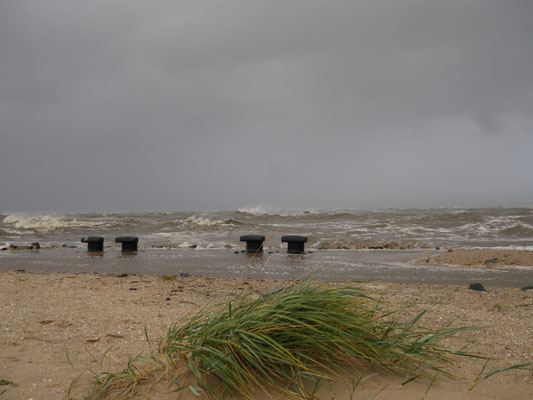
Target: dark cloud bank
136	105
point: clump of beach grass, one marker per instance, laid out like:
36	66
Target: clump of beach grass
304	332
289	341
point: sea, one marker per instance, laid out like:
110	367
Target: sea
208	242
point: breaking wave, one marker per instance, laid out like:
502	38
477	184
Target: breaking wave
262	210
331	229
46	223
204	221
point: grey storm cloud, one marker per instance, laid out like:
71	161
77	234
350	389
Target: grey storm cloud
121	105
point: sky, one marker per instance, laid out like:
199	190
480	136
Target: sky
217	105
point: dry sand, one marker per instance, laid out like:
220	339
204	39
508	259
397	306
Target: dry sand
56	326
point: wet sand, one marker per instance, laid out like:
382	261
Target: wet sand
58	326
483	258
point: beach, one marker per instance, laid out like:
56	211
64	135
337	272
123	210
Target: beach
328	200
58	327
68	314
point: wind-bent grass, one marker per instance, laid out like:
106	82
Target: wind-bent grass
281	340
124	384
289	341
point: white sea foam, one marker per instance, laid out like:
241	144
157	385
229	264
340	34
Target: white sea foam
166	235
258	210
187	244
183	240
45	223
264	210
513	247
493	225
203	221
13	231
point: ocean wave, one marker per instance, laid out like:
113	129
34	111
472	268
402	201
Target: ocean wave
263	210
518	230
257	211
508	225
12	231
344	244
188	244
46	223
340	227
508	247
194	244
204	221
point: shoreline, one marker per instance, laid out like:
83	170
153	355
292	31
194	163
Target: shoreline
56	326
402	266
483	258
